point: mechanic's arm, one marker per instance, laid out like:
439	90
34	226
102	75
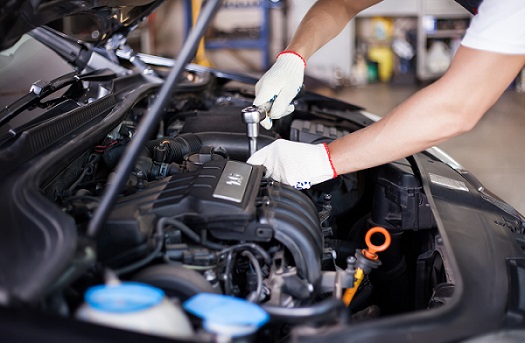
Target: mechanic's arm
325	20
279	85
450	106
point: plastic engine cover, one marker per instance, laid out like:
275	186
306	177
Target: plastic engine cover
218	196
228	199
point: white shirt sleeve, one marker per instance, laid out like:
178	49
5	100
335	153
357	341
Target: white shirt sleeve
499	26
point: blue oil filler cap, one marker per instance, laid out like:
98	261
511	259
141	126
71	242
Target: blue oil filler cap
225	315
123	298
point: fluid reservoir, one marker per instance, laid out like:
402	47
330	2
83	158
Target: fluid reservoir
231	319
137	307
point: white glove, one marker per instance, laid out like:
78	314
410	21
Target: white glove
300	165
279	85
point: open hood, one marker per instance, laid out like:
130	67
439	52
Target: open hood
113	16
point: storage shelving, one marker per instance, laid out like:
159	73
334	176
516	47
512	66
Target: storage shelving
437	20
447	29
254	31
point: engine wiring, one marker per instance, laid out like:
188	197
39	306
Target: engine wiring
227	254
254	297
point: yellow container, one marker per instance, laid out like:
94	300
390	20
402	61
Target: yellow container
384	56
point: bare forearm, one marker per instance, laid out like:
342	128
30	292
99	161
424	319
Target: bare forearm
442	110
408	129
325	20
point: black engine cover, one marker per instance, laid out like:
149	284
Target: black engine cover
219	197
225	198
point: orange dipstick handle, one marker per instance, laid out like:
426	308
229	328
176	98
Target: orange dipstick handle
371	252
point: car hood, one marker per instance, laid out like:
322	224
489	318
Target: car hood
114	16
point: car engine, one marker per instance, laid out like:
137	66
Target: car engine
194	218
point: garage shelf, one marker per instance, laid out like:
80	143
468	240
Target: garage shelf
262	40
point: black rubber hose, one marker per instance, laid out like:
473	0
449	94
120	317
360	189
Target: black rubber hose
236	145
327	310
190	233
362	297
248	246
180	226
227	273
254	297
177	147
176	281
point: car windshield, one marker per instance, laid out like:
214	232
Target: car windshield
23	64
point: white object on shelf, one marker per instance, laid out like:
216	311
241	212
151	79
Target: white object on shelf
429	33
438	57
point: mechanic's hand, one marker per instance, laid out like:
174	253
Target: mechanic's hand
278	86
300	165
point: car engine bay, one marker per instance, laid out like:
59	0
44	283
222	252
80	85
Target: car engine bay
195	218
129	209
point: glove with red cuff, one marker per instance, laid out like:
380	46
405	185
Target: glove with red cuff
279	85
300	165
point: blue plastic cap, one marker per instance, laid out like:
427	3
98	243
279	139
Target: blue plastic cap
124	297
222	313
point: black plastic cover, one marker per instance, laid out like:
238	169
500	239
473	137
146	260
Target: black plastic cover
194	197
399	201
204	200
